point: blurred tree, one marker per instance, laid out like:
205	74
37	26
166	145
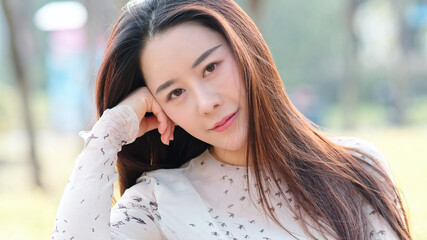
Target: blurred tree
316	44
399	74
349	87
100	17
19	22
255	9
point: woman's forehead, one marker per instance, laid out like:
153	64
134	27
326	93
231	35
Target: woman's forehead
178	48
185	39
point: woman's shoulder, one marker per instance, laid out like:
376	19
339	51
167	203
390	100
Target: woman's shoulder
164	179
159	178
367	150
148	185
358	143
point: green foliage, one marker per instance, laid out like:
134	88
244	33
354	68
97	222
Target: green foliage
11	110
372	115
305	40
417	111
10	107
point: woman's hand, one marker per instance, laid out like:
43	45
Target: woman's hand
142	101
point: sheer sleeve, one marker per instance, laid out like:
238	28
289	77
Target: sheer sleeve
84	209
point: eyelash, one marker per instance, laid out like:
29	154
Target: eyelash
212	64
170	94
173	91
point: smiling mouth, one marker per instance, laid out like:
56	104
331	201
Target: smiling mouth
225	123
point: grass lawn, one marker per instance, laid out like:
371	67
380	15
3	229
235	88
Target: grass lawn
28	213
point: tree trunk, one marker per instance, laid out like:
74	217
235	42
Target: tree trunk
255	10
399	75
348	90
19	67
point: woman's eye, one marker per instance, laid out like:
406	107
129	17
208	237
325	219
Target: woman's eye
210	68
175	92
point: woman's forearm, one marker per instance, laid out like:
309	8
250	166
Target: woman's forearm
84	210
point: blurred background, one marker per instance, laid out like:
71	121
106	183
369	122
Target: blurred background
354	67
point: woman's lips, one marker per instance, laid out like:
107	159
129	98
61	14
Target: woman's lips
225	123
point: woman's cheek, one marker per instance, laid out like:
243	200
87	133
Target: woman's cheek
168	112
174	115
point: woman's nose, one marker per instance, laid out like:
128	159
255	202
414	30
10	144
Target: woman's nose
208	99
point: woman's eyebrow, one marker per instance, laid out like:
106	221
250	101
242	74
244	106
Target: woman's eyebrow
197	62
204	55
165	85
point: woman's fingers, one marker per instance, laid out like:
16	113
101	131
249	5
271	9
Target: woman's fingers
147	124
165	124
173	130
169	131
167	134
142	101
152	122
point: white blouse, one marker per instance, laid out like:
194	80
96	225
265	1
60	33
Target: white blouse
203	199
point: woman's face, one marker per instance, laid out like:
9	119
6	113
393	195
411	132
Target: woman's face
192	73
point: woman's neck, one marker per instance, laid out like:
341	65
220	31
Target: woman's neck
235	157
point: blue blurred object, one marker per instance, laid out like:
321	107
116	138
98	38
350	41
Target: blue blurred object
67	63
416	15
67	67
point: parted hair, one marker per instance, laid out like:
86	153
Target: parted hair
327	180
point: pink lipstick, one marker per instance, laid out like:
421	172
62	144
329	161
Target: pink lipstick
225	122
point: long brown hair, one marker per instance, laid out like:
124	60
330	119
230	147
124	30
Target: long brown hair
326	180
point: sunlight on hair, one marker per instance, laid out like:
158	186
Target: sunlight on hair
130	4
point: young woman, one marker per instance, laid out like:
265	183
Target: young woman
194	116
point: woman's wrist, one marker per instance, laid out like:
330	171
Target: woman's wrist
119	124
